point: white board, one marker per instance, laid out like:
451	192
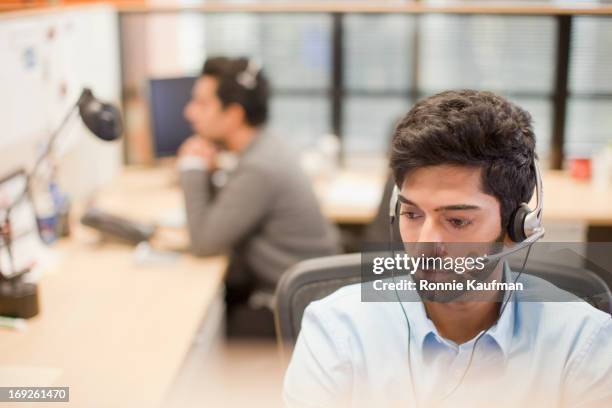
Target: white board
46	58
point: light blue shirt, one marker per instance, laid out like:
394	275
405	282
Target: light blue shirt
538	354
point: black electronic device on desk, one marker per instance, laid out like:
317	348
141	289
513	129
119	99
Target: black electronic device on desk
20	247
18	298
167	98
116	227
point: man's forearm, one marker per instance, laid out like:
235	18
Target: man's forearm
218	224
197	197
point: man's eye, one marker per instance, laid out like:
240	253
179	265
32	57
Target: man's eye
411	215
458	222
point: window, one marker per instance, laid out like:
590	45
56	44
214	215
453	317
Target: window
589	119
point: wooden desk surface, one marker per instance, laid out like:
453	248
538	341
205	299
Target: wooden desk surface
118	331
566	199
351	197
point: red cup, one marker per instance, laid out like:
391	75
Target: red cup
580	168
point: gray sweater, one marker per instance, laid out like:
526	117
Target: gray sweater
267	211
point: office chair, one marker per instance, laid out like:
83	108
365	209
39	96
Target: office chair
314	279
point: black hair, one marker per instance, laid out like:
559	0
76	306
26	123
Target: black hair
250	93
470	128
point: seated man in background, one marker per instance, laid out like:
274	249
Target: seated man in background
464	162
266	215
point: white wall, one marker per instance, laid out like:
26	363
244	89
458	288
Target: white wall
47	58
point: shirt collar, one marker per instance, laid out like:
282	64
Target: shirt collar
260	133
423	329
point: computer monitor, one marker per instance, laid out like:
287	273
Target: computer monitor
168	97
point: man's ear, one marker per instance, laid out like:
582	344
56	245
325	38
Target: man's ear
235	114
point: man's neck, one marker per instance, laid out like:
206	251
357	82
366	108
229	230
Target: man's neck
462	321
240	139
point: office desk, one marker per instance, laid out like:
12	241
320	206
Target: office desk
566	199
117	331
351	197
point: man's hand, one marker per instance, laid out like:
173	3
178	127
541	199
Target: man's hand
200	148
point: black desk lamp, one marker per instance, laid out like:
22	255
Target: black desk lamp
102	119
19	298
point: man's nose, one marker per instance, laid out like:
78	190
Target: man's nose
430	232
432	240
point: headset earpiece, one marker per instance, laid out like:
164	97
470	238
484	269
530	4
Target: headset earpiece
516	226
248	78
526	222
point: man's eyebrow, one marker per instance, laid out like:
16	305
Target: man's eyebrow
458	207
451	207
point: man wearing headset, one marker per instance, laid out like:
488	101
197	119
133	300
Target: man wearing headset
264	214
464	163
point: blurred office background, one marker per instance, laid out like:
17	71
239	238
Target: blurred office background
353	74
